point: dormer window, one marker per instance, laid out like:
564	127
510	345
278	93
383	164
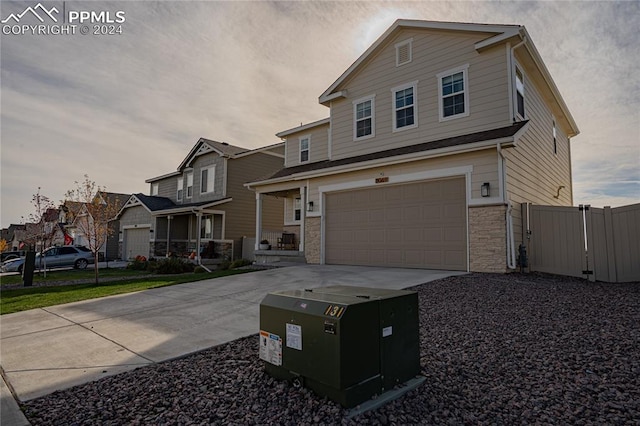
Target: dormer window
404	52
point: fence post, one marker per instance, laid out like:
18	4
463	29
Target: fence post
611	250
589	243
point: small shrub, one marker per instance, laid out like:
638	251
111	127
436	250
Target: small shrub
199	270
138	264
173	266
224	265
240	263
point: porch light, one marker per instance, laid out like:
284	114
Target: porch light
485	189
310	206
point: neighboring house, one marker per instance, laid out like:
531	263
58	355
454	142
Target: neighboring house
72	211
435	136
202	208
9	235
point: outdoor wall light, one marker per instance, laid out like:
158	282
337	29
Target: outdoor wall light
310	206
485	189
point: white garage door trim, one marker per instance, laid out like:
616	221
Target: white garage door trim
462	171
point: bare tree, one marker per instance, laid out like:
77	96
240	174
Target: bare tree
42	226
92	221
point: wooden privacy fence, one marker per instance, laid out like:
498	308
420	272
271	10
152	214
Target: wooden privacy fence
594	243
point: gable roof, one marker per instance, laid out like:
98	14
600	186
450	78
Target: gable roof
154	204
502	33
487	137
204	146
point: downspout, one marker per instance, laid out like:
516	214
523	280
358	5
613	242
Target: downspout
511	249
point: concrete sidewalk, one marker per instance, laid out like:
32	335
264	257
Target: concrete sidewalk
43	350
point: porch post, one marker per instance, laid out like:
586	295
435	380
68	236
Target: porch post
258	220
169	233
198	225
303	216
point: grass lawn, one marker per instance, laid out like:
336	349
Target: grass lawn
16	300
73	274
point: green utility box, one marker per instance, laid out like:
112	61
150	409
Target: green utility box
348	343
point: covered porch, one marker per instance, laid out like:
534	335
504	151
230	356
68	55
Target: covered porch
197	234
284	244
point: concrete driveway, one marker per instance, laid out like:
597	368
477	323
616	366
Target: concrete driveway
43	350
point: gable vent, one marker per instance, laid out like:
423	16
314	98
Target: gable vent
403	52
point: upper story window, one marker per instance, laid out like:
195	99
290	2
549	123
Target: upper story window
453	93
154	189
189	184
404	52
207	179
519	93
363	118
405	110
180	189
304	148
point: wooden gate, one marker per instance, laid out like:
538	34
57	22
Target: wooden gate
598	244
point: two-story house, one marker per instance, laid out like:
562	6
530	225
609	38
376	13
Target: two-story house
435	136
202	209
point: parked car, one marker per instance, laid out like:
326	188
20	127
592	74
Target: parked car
55	257
8	255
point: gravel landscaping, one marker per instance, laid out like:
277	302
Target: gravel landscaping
495	349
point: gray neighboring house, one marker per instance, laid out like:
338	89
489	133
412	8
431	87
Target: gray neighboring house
203	208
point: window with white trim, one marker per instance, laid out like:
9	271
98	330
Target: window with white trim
154	189
404	52
180	189
453	91
405	110
297	211
304	148
207	179
363	118
519	93
206	227
189	185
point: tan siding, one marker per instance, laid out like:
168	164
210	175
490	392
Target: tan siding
485	169
318	146
241	212
433	53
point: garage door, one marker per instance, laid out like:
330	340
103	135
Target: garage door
136	243
417	225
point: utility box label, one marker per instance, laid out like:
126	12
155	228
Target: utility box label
294	336
270	348
387	331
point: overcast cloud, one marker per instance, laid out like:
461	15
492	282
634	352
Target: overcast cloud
124	108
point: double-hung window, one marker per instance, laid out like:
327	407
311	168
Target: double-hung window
189	185
180	189
304	148
453	90
154	189
206	227
207	179
519	93
405	106
297	209
363	118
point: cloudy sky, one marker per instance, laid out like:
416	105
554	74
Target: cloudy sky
126	107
